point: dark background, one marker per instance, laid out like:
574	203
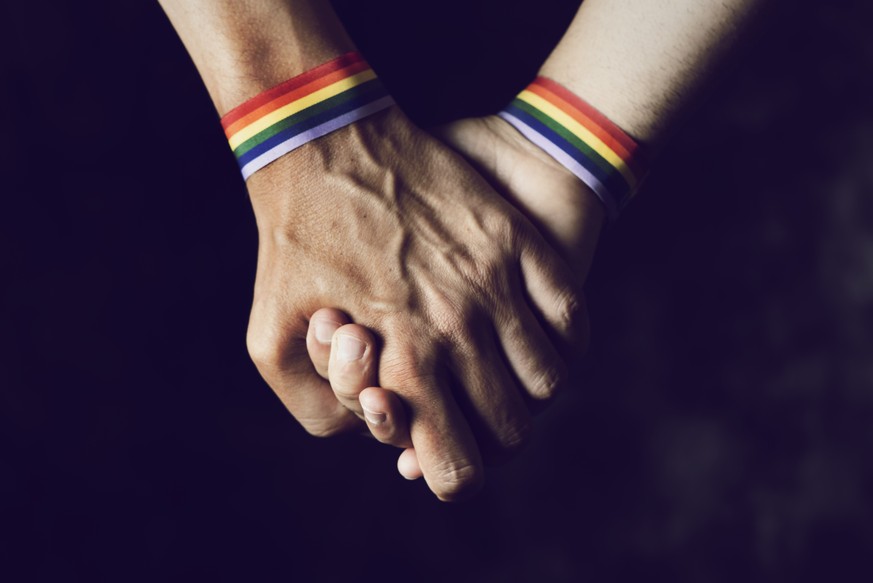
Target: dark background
723	429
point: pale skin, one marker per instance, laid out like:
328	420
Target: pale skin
641	63
389	225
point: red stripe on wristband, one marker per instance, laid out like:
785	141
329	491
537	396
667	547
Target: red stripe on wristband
290	85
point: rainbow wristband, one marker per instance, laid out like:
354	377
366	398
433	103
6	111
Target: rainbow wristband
581	139
319	101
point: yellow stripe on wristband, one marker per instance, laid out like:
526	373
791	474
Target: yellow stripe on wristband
299	105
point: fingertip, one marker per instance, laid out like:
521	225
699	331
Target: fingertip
446	453
353	343
408	466
381	400
324	322
352	364
375	401
464	483
385	416
322	325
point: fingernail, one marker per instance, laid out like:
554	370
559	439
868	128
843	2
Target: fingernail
324	331
373	417
350	348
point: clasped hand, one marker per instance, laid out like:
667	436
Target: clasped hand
460	262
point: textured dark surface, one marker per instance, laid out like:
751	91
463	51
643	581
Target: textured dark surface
724	428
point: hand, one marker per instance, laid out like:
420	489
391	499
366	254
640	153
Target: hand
566	211
386	224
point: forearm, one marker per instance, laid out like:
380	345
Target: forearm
640	62
243	47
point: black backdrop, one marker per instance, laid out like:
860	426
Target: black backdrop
723	428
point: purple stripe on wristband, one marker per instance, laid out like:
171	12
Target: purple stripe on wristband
327	127
565	160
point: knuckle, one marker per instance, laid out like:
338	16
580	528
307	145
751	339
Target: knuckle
346	388
264	348
548	382
407	368
502	226
350	378
322	428
568	310
457	482
452	321
446	311
514	229
390	436
491	275
458	323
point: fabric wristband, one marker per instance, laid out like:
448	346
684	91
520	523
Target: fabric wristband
306	107
581	139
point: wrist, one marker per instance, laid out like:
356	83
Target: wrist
243	47
576	226
256	65
243	75
363	150
301	109
579	137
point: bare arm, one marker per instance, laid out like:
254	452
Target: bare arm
243	47
641	62
385	223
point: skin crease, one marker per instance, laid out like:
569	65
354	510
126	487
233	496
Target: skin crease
438	271
570	218
639	62
467	300
565	211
